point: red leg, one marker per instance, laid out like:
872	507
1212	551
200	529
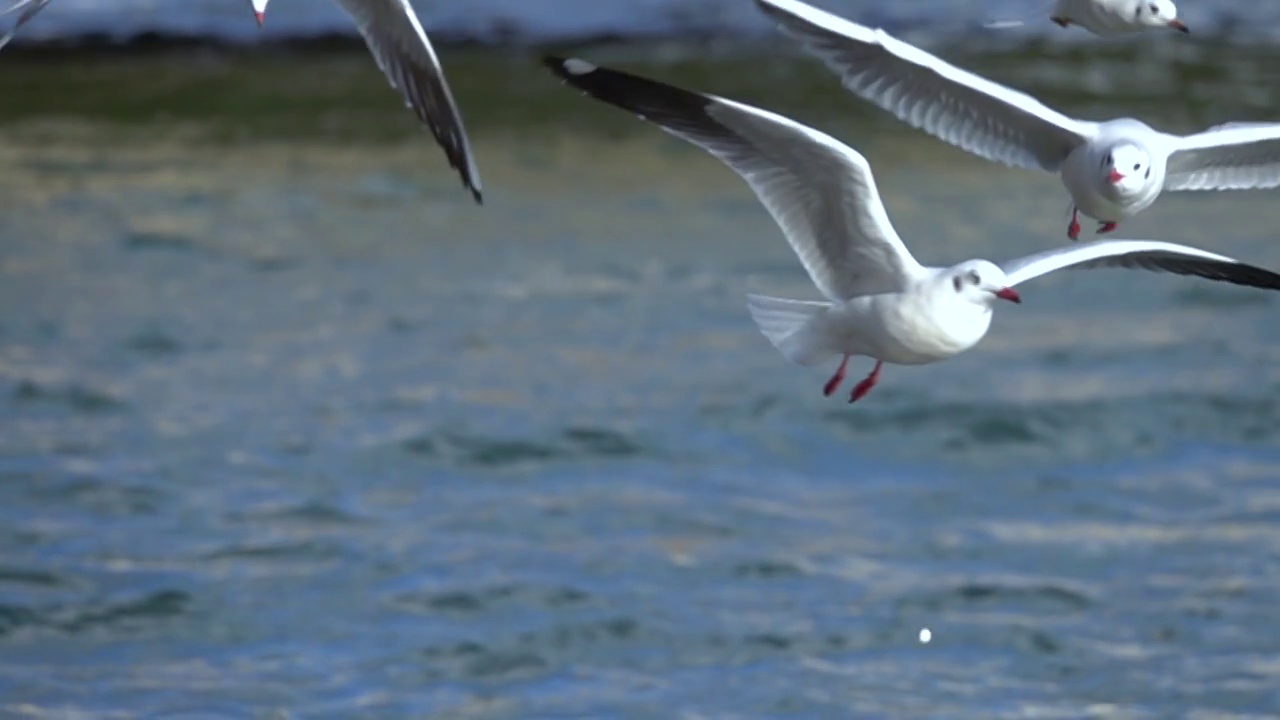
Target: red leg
864	387
836	379
1061	21
1073	230
1106	227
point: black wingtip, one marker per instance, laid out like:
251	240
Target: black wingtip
468	183
555	62
666	105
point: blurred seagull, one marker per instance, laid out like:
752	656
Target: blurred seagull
29	10
404	54
1118	17
1110	17
259	10
881	303
1113	169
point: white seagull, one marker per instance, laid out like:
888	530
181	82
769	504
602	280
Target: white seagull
404	54
881	303
1117	17
29	9
1110	17
1113	169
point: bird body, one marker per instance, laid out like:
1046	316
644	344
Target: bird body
1117	17
1114	176
915	326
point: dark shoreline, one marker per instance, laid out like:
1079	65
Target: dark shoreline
325	86
156	42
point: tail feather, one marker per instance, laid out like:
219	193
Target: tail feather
795	327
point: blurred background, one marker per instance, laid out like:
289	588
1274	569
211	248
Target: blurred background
290	427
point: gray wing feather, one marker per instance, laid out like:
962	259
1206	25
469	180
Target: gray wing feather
404	54
958	107
29	10
1234	156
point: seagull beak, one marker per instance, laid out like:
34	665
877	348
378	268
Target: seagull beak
261	17
1114	177
1179	26
1008	294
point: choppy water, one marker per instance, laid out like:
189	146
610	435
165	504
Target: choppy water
496	20
292	429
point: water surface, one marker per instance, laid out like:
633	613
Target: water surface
290	428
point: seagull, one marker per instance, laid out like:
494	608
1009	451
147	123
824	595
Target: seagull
259	10
880	302
29	10
1109	17
1113	169
1117	17
404	54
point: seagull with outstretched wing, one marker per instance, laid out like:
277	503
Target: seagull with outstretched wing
880	302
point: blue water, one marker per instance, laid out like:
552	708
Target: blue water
498	20
293	430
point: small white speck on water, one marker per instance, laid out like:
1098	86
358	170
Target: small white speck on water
925	636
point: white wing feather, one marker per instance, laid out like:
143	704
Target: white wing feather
819	191
963	109
30	8
1140	255
1234	156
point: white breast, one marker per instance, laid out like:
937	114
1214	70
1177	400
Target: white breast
1101	17
910	328
1082	176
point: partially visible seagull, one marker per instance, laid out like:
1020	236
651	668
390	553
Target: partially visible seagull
881	303
1118	17
1113	169
259	10
29	9
1109	17
404	54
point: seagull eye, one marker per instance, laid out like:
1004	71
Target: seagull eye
973	277
956	283
1154	10
1107	160
1148	175
1137	167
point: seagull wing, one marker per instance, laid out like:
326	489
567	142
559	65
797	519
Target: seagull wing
819	191
958	107
1141	255
1235	156
405	56
29	10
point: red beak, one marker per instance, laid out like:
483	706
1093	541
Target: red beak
260	17
1177	25
1114	177
1008	294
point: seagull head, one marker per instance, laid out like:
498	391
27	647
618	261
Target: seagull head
259	10
1125	169
1158	13
980	282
